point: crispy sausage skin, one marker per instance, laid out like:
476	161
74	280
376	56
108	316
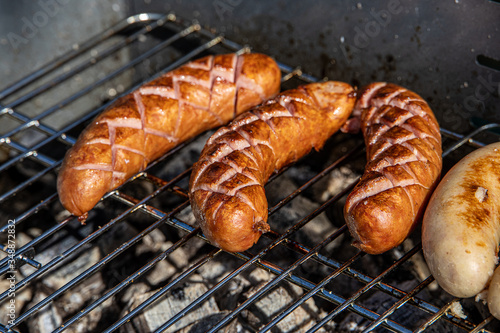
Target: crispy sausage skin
227	183
144	125
403	146
461	227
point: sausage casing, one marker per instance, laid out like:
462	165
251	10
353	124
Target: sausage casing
461	226
227	183
144	125
403	145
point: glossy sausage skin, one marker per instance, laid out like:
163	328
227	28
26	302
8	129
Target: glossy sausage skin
461	227
144	125
403	146
227	183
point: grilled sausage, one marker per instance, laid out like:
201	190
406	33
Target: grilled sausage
494	294
461	227
403	146
144	125
227	183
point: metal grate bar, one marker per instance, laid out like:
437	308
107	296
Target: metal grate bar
132	277
77	247
456	136
283	275
45	235
165	289
29	181
468	137
34	121
290	244
398	304
77	69
480	327
311	292
325	294
315	179
367	287
436	316
32	211
61	135
272	268
93	269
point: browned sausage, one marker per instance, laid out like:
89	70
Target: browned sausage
403	145
145	124
227	183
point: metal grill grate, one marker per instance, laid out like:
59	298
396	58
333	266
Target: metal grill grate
34	142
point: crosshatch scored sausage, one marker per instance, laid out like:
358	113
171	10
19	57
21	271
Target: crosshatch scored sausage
227	183
403	145
144	125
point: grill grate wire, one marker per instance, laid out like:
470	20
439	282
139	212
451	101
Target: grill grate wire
27	89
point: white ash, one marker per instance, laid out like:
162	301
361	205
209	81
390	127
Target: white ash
314	231
277	300
195	243
48	318
164	270
78	296
457	310
481	194
71	269
154	241
174	301
337	181
137	288
200	326
22	296
419	266
53	315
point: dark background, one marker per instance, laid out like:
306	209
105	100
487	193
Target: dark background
433	48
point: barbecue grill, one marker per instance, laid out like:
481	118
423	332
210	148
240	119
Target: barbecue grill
140	251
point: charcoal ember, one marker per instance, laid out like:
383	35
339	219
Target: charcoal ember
21	296
168	306
85	291
337	181
186	215
313	232
48	318
71	269
154	241
195	243
52	316
184	158
165	269
200	326
228	296
88	290
216	269
22	239
277	300
120	233
137	288
418	265
407	316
